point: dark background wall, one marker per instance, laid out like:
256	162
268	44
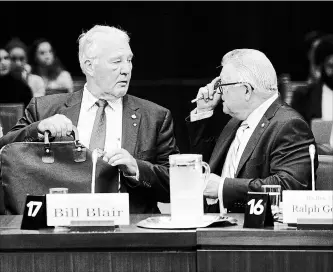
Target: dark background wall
181	41
176	39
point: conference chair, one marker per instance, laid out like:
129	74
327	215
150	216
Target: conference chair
324	172
321	130
10	113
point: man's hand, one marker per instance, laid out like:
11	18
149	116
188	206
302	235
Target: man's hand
212	187
210	97
59	125
124	160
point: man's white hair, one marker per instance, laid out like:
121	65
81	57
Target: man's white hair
254	67
88	44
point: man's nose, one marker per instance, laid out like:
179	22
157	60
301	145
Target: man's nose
126	68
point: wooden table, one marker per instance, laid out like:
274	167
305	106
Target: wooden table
279	248
128	249
136	249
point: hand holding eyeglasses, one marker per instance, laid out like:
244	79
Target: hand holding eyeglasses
209	96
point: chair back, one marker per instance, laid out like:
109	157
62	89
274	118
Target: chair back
56	91
10	113
324	173
321	130
288	88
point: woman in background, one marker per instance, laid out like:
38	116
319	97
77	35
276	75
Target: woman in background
315	102
46	64
13	89
20	68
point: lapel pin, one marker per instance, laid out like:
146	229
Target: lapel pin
133	116
263	124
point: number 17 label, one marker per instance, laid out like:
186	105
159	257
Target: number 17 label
31	211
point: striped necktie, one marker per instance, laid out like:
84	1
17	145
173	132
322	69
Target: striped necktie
231	160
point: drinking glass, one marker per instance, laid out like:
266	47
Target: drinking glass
274	192
59	190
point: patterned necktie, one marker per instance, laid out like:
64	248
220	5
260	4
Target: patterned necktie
232	158
98	135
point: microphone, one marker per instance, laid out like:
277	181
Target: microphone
312	151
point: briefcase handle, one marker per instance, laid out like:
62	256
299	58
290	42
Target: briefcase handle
79	150
74	134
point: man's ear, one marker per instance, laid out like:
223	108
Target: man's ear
248	93
88	66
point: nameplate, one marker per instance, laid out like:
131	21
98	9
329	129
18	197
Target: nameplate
62	209
258	213
307	205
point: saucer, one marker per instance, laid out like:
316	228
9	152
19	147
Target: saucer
165	222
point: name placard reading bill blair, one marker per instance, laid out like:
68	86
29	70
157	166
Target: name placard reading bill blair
61	209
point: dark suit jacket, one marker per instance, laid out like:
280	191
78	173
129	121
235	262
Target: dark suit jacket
150	142
277	153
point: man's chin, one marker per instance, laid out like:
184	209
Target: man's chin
119	92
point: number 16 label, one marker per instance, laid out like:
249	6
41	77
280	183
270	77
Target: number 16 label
257	211
256	208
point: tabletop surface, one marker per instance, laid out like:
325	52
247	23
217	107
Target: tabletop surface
131	236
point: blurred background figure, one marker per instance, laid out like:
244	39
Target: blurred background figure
46	64
315	102
13	89
20	68
312	39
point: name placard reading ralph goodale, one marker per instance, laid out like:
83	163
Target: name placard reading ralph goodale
307	205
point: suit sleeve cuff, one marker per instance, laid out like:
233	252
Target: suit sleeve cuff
136	177
195	115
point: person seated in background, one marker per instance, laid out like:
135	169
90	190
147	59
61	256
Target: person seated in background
266	142
19	57
311	41
46	64
315	101
13	89
136	135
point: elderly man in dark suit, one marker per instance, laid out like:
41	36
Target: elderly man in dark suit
136	135
265	143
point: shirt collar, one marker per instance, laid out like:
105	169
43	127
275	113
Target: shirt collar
89	100
254	118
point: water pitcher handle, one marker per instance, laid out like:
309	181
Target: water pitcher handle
206	174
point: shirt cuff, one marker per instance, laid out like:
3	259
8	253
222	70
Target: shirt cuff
220	197
195	115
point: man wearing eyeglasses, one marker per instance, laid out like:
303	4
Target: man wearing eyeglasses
265	141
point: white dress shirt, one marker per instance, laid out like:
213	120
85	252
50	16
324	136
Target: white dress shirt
114	119
114	115
326	104
252	120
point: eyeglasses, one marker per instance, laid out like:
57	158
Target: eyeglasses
219	85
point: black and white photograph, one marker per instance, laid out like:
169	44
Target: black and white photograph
166	136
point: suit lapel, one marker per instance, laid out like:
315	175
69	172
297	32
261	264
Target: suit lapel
257	133
130	124
223	143
72	107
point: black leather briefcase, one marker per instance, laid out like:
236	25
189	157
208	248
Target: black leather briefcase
35	167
